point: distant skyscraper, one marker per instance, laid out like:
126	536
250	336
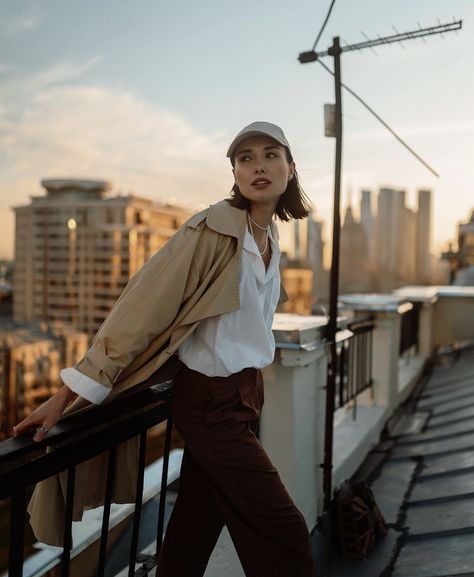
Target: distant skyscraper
367	222
355	275
408	272
315	244
308	256
396	241
386	238
423	238
76	249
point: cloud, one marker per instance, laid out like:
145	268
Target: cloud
94	132
86	130
17	89
11	25
63	71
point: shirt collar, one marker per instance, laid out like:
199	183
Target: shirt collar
227	219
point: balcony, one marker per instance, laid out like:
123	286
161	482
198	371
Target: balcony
404	384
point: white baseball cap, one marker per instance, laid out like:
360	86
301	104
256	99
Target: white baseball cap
256	129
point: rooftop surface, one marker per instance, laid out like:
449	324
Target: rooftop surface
425	486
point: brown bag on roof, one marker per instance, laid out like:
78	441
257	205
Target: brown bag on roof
359	522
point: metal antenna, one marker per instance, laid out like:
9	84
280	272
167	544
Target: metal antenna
439	23
367	38
335	50
419	26
397	32
312	56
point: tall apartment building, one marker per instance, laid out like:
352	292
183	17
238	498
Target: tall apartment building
423	238
77	247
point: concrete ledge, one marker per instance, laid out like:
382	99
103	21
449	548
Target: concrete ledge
354	439
409	374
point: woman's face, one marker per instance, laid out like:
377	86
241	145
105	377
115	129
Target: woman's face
261	170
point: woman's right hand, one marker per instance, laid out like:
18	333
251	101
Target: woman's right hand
46	415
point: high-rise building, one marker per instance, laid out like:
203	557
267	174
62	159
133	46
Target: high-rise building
395	240
423	237
77	247
355	274
309	255
408	274
368	223
315	244
388	223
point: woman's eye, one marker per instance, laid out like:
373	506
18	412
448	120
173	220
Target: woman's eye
271	155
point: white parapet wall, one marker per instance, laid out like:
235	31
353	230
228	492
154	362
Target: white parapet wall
447	316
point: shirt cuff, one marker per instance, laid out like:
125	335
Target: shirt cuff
84	386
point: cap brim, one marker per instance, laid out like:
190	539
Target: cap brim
241	137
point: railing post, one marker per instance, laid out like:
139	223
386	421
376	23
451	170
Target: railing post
385	358
17	534
427	298
293	420
385	344
425	336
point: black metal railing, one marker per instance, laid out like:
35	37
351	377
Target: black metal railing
24	463
354	364
409	329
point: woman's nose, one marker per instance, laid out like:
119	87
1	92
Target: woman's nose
259	169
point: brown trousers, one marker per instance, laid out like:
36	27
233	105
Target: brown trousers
228	479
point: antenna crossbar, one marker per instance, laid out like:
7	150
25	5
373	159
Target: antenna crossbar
311	56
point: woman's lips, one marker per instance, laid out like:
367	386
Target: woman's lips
261	183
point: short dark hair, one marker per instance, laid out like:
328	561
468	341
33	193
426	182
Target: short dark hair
293	203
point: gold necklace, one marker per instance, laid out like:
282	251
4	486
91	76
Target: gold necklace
256	223
262	252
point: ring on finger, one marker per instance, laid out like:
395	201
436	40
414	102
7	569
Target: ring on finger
42	429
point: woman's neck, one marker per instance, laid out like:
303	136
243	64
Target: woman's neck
261	215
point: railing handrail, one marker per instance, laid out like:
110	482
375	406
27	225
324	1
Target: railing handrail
361	323
24	462
77	438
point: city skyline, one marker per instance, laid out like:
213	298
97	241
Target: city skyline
149	99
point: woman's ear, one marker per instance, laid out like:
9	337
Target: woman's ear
292	170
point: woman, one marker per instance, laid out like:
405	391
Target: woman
222	267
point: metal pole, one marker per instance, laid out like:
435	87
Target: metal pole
335	51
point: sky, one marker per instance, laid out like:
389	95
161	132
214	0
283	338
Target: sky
148	95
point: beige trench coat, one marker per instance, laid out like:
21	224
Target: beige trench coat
193	277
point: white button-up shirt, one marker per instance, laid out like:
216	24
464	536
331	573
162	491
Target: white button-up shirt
228	343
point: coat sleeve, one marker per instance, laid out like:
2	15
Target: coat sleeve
147	306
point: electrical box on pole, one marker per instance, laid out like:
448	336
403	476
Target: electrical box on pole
330	120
